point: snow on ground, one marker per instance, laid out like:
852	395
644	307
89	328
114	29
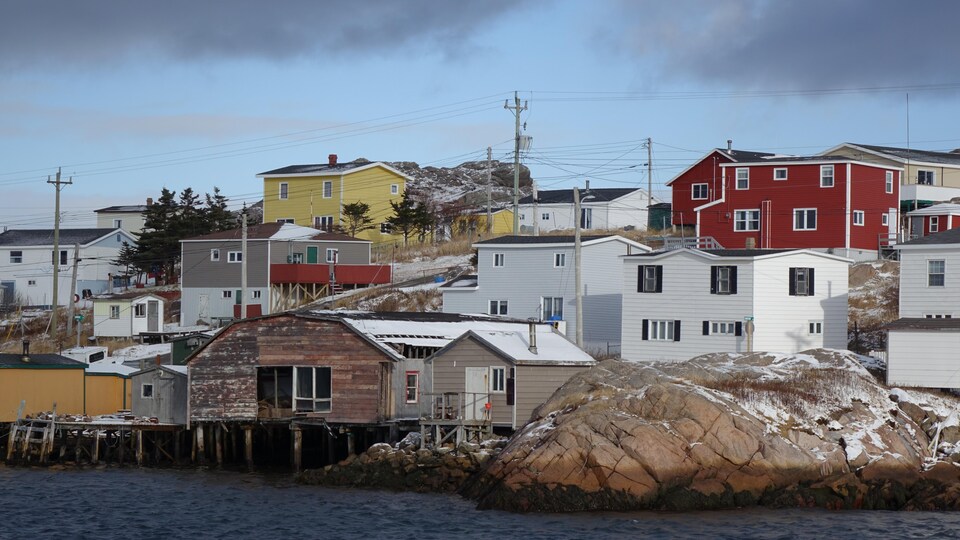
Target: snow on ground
137	352
422	267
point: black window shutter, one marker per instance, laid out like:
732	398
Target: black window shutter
659	278
793	282
511	391
810	280
676	330
738	329
644	336
713	280
640	274
733	280
706	328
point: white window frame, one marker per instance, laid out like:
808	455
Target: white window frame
144	393
286	220
827	176
114	311
313	396
934	224
937	316
324	223
815	328
228	293
804	223
415	387
544	216
498	380
858	218
888	182
214	254
931	177
933	271
385	228
328	189
660	330
63	257
724	280
722	328
745	218
498	260
331	255
497	307
234	257
255	295
778	170
559	260
140	311
884	220
117	223
296	258
16	257
650	278
283	191
742	181
394	189
700	192
549	307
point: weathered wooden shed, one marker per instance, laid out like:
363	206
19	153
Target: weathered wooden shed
160	391
503	376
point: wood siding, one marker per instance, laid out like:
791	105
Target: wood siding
706	171
926	359
917	297
449	375
535	384
169	401
106	393
200	271
40	389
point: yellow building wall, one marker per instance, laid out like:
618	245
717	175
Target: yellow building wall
40	388
107	394
305	198
502	224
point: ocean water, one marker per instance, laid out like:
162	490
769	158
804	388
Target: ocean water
152	503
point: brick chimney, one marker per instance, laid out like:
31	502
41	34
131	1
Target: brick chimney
332	159
149	201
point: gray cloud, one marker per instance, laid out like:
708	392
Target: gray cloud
99	32
809	44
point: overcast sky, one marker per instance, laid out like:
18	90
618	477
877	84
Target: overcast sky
131	96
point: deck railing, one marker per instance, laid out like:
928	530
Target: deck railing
697	242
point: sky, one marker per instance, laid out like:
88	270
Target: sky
130	96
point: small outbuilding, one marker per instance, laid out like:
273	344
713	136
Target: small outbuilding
161	391
39	381
127	314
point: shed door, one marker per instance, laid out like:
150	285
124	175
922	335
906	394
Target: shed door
153	316
892	223
475	393
916	227
312	254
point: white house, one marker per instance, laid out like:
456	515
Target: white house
26	263
682	303
600	208
127	314
922	344
533	277
127	217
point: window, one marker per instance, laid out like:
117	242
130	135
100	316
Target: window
780	174
858	217
826	176
925	177
214	255
498	260
385	228
327	189
255	294
332	255
746	220
63	257
545	216
815	328
287	220
723	280
498	307
498	380
31	282
938	316
888	182
936	271
801	282
324	223
394	189
884	220
228	294
275	387
552	308
586	218
805	219
234	256
283	190
650	279
295	258
140	310
661	330
117	223
115	312
700	191
412	386
312	390
146	391
934	224
16	257
743	178
722	328
559	260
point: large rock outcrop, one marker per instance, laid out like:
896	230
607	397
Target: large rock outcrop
728	430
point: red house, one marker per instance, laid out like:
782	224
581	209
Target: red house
934	219
843	205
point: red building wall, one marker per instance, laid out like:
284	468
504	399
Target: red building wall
868	193
706	171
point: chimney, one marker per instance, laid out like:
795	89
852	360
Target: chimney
533	337
159	362
729	144
26	351
332	159
149	201
587	188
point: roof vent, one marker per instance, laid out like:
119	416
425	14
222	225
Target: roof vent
533	337
729	144
332	159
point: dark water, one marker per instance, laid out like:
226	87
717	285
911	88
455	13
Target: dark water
143	504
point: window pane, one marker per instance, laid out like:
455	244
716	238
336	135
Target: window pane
304	382
323	383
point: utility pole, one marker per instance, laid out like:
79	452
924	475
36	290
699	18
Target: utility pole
578	295
517	109
58	185
243	266
536	211
73	289
489	191
649	175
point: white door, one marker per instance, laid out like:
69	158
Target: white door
153	316
892	224
203	308
475	393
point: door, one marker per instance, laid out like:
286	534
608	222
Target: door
892	225
475	393
153	316
203	308
312	254
917	228
7	292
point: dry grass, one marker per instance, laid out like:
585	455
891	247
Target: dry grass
384	300
798	395
426	250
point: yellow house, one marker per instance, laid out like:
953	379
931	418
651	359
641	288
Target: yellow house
40	380
474	224
314	195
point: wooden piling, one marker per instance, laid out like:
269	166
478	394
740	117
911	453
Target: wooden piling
176	446
218	440
95	447
121	444
248	446
351	442
297	448
200	450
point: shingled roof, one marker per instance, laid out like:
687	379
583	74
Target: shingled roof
904	154
277	231
950	236
44	237
565	196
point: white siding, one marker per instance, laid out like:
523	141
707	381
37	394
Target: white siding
217	305
917	299
104	326
627	211
923	358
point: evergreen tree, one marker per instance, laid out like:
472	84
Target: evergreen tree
216	216
158	246
408	217
357	218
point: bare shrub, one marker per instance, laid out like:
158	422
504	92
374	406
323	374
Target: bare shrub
799	395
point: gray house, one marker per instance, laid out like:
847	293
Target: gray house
287	266
527	277
161	392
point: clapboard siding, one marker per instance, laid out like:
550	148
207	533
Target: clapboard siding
449	375
217	305
200	271
223	375
917	298
535	384
347	252
926	359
